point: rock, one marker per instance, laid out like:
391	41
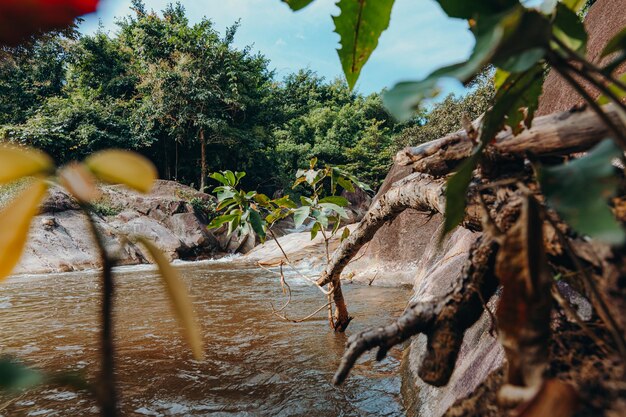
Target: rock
60	240
480	353
605	19
360	202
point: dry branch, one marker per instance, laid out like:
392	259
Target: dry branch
562	133
444	321
417	191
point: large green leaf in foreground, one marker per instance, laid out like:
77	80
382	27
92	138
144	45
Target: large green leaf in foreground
360	24
579	191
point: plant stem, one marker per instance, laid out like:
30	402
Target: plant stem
107	395
597	84
589	66
562	69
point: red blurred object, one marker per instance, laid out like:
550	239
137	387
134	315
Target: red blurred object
19	19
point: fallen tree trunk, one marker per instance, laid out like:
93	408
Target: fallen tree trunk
562	133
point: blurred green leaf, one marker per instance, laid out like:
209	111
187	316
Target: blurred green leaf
220	220
575	5
603	99
335	199
404	97
456	192
569	29
14	376
617	43
579	191
359	25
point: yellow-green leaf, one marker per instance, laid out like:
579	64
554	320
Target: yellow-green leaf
16	162
123	167
15	222
359	25
178	295
80	182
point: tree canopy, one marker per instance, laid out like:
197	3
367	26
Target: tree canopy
182	94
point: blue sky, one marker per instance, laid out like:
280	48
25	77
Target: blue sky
420	38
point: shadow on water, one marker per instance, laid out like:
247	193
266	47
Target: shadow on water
255	364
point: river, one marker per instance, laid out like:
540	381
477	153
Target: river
255	365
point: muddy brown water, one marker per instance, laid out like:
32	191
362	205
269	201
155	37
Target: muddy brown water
256	365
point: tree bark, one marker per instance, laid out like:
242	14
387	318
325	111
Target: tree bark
417	191
561	133
203	169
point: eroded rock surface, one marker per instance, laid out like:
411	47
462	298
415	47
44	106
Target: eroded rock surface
60	240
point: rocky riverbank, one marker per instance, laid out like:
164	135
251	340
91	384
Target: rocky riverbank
171	215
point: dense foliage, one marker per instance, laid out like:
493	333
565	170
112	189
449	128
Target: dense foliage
186	97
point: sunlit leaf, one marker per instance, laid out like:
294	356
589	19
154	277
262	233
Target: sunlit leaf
15	221
220	220
359	25
181	301
335	199
297	4
285	202
14	376
219	177
345	234
575	5
617	43
80	182
123	167
16	162
345	184
603	99
334	207
315	230
262	199
569	29
300	215
579	191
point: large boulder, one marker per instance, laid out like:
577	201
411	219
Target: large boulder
438	271
604	20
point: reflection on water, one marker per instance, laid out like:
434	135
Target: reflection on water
255	364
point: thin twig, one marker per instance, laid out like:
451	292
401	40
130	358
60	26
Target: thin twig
620	137
569	311
596	299
590	66
296	270
284	316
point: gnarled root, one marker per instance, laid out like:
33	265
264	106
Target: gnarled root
443	321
